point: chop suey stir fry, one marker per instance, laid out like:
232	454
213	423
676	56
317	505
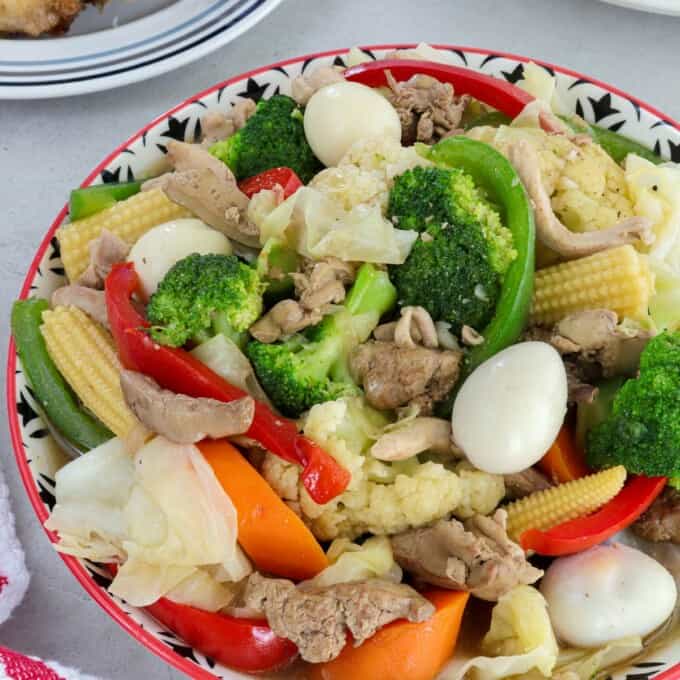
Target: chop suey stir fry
373	365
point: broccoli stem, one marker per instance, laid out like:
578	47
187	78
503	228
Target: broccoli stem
372	292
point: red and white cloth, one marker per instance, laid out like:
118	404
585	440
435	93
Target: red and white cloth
14	580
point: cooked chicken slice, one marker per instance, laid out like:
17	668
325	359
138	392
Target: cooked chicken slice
319	286
476	556
205	186
661	522
414	437
395	376
284	318
217	126
596	337
181	418
91	301
521	484
428	110
317	620
35	17
304	86
593	346
105	251
551	232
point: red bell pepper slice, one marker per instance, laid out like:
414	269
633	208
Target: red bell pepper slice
284	177
178	371
247	645
583	533
495	92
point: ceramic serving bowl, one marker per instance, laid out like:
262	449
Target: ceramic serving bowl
38	455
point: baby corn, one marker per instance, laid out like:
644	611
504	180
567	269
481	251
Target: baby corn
543	510
84	354
128	220
618	279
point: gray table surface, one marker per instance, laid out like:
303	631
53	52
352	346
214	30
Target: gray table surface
47	147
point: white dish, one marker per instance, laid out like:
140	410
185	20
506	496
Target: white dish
124	43
671	7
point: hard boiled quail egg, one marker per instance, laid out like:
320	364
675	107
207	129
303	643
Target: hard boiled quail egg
607	593
510	409
342	113
164	245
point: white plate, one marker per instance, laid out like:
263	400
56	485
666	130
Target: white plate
671	7
125	43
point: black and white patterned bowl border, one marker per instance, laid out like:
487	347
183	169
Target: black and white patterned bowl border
37	454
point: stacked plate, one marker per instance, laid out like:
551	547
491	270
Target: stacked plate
125	43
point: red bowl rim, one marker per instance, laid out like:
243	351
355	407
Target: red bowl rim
78	570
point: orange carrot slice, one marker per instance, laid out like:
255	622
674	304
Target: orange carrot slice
270	533
564	461
402	650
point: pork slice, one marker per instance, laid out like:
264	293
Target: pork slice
180	418
521	484
317	620
105	251
89	300
476	556
394	376
661	522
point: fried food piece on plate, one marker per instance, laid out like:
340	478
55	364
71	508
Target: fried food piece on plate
35	17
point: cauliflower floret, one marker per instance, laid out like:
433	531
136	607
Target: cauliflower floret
349	186
379	501
365	174
587	188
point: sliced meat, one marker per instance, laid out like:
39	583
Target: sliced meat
661	522
415	327
428	110
105	251
283	319
395	376
205	186
476	556
320	284
317	620
596	337
91	301
217	126
521	484
180	418
413	437
304	86
593	346
555	235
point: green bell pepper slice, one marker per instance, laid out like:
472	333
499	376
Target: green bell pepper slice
492	118
91	200
50	389
493	173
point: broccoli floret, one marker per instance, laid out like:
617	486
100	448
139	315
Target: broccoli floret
643	430
455	268
424	196
273	136
311	368
203	295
